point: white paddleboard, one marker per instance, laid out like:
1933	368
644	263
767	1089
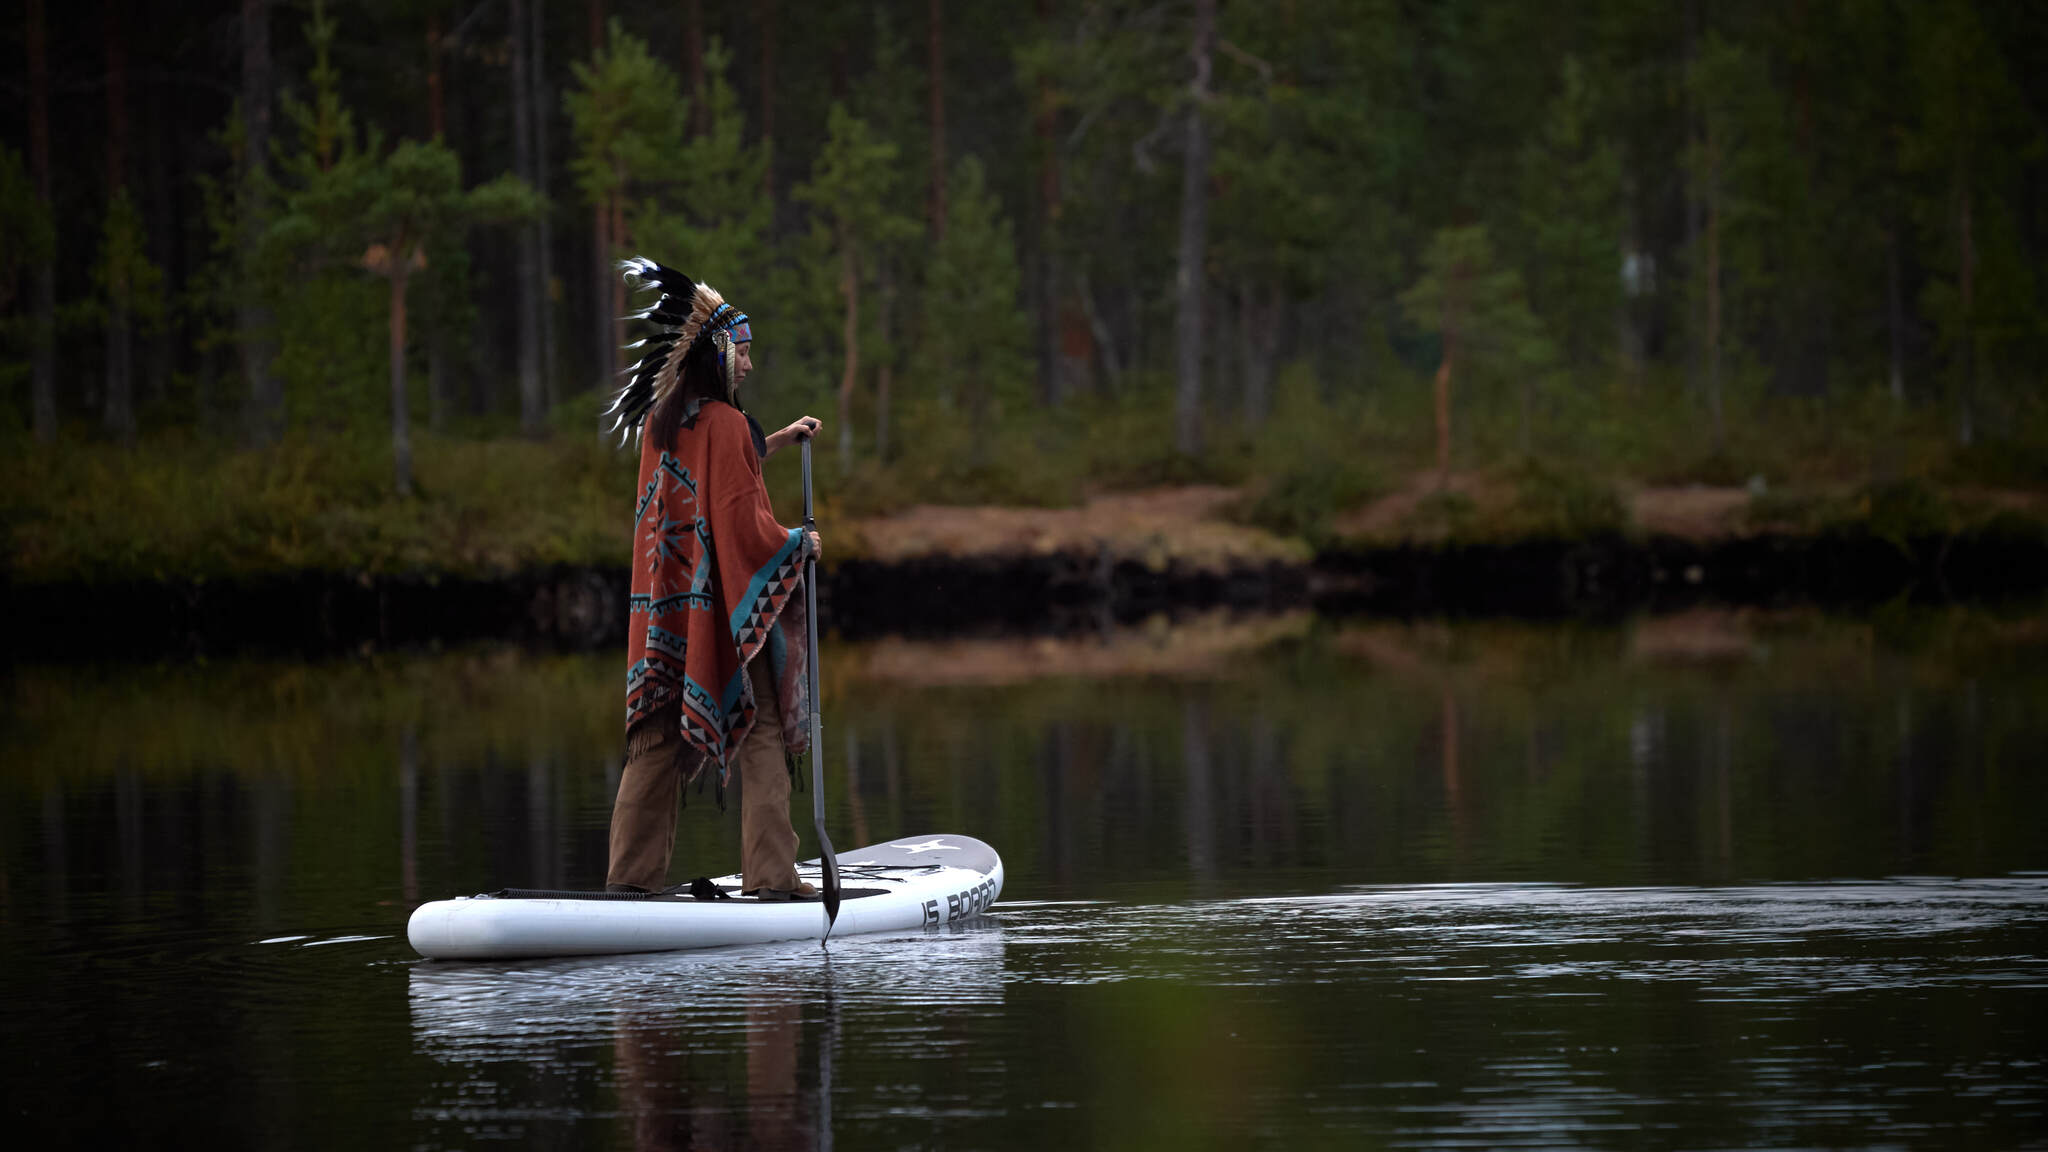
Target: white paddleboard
902	884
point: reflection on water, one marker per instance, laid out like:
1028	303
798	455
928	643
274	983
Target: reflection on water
672	1023
1707	880
504	1005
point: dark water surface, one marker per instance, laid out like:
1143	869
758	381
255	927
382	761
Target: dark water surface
1701	881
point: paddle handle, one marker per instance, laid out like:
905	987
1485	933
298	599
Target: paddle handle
826	858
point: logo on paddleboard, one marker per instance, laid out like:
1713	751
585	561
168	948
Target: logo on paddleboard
927	846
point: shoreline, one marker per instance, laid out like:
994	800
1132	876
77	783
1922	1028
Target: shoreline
1045	592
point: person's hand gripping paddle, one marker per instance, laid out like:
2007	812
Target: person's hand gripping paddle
829	861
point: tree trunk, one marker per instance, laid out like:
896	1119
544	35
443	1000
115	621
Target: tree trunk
936	67
849	287
1966	344
601	301
1526	434
120	363
550	363
1453	328
437	101
1895	318
120	395
1259	333
437	382
1631	341
1194	234
693	47
1045	128
617	230
1105	340
1714	291
601	241
885	371
765	19
43	354
532	404
1442	389
1695	209
401	430
163	348
255	321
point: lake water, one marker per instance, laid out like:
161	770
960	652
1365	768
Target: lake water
1699	881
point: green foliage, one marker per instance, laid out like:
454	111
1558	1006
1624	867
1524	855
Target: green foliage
124	275
184	508
1388	180
1741	161
711	216
1571	224
26	234
333	356
230	273
852	193
326	127
1972	135
382	210
1907	510
975	354
1559	501
1312	463
1479	311
1909	513
853	185
1465	292
1125	440
1442	515
626	115
349	204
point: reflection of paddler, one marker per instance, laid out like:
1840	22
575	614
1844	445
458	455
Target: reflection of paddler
656	1092
774	1027
671	1111
716	645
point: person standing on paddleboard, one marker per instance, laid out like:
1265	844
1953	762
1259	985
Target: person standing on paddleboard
716	645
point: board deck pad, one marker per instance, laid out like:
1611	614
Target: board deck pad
906	883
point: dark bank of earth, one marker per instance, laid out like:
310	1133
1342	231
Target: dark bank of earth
1060	591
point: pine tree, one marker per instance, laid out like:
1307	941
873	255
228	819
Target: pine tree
627	118
1481	314
977	344
26	241
1973	132
850	191
1571	222
130	291
352	202
709	217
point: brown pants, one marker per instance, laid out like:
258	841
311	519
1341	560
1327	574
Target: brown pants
644	815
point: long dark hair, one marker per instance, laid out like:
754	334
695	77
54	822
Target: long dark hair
700	379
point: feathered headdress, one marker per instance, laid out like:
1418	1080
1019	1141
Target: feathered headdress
687	314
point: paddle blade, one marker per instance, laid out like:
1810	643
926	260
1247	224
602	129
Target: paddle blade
831	863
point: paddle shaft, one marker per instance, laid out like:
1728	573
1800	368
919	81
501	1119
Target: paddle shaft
825	856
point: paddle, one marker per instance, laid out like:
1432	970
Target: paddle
825	856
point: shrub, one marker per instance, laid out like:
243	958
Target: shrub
1312	463
1557	501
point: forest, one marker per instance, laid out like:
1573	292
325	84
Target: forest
299	284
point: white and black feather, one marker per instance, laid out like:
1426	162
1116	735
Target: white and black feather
678	314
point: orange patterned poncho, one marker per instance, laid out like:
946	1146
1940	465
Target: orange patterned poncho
714	578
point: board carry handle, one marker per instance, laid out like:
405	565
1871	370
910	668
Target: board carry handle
825	854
